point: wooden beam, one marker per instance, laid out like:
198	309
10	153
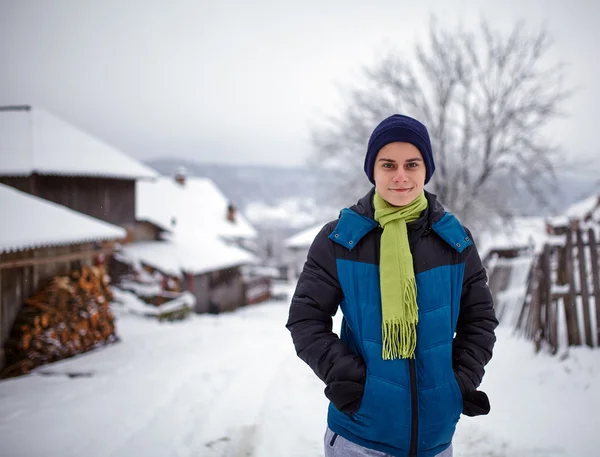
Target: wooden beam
570	300
595	279
60	258
583	284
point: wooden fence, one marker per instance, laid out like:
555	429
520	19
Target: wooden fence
562	304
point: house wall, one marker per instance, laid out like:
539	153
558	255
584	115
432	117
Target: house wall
201	290
227	289
144	231
111	200
217	291
18	284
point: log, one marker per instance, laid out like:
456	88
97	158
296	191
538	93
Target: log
67	316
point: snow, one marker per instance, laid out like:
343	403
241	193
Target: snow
583	208
195	216
161	255
210	254
231	385
21	227
35	141
522	232
509	301
179	255
293	212
209	206
132	304
198	204
305	238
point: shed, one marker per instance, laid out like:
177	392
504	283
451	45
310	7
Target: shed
40	239
202	241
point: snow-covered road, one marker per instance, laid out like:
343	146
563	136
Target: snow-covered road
231	385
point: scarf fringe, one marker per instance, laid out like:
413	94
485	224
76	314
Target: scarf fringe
399	334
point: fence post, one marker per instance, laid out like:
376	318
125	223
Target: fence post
550	318
583	284
595	278
570	298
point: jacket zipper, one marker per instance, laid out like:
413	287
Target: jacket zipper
415	419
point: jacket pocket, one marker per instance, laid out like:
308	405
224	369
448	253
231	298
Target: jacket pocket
458	393
333	439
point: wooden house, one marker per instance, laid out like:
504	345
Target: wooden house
201	242
47	157
41	239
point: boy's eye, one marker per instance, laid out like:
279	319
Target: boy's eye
388	165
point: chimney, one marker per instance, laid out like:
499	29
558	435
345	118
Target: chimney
231	213
180	175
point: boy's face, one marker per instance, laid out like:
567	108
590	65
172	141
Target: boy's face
399	173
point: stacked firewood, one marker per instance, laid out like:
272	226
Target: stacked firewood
68	316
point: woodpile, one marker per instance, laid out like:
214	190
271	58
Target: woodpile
69	316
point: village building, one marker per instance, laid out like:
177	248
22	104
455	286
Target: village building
41	239
200	240
297	247
47	157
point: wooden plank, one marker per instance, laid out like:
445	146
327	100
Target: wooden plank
595	278
537	328
59	258
550	312
570	299
587	322
523	315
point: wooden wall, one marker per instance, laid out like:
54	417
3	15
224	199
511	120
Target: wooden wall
145	231
218	291
111	200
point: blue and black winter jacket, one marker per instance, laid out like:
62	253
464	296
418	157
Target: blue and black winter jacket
406	407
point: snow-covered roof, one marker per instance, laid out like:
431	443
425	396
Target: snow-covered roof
583	208
179	256
35	141
197	205
160	201
211	208
30	222
521	232
304	238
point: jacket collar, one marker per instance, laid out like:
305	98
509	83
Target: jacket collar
434	212
355	222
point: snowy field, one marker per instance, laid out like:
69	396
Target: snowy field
231	385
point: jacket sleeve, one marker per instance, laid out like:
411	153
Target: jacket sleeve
475	337
315	301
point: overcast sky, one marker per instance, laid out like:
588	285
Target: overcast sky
243	81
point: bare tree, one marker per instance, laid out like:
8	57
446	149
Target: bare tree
485	98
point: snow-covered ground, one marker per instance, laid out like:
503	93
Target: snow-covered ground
231	385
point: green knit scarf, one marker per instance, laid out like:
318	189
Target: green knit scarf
399	310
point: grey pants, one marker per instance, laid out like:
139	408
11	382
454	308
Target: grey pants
341	447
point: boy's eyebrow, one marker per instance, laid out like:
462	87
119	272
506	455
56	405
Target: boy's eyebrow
413	159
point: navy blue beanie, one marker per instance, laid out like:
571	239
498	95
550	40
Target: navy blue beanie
399	128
